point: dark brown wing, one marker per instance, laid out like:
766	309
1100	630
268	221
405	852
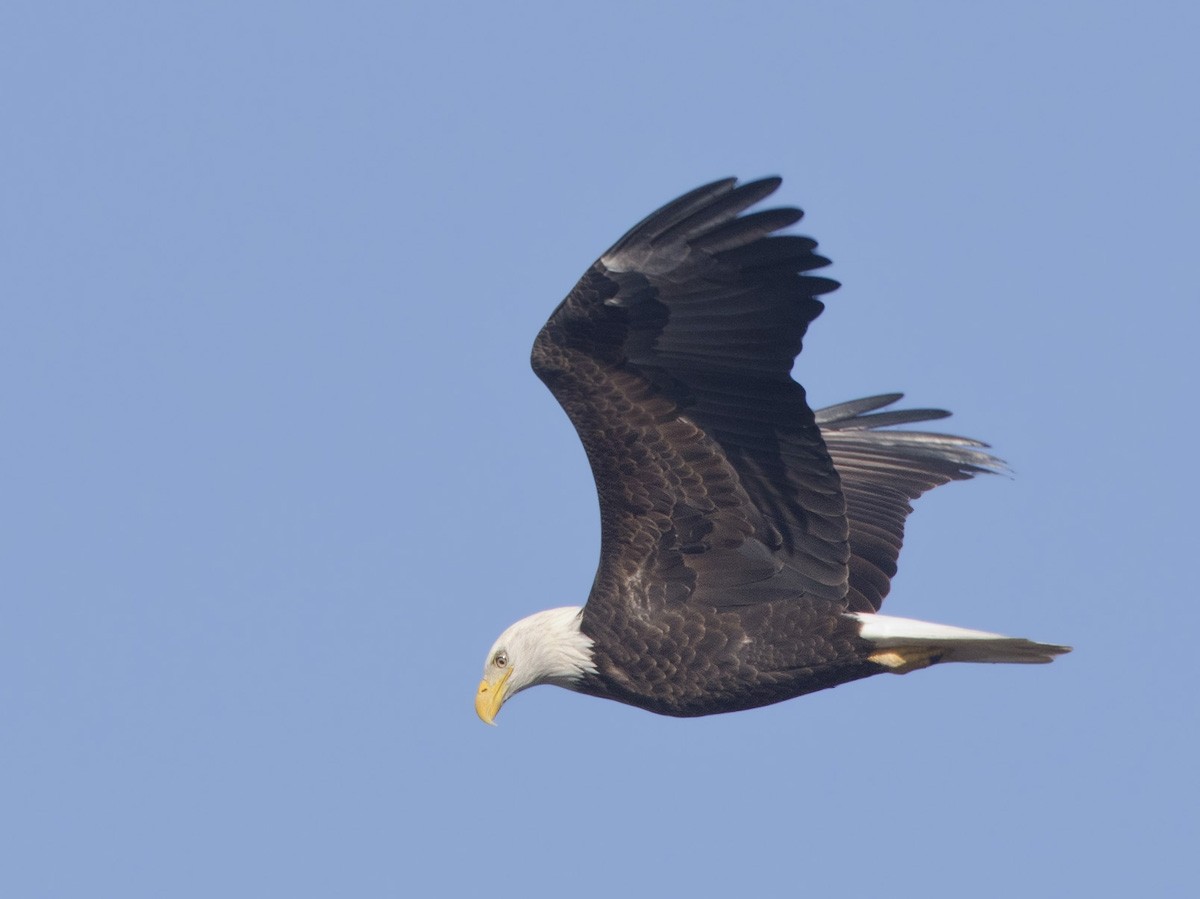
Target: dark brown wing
672	357
882	472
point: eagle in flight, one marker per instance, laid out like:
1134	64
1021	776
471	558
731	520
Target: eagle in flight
747	542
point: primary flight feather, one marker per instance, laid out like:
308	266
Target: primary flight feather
746	541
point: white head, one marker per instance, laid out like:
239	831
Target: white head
545	648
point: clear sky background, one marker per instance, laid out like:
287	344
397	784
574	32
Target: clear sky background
276	472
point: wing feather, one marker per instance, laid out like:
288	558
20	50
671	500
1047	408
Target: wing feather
717	483
672	357
882	472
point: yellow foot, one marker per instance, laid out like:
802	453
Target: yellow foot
902	661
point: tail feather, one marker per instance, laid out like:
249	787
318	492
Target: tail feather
905	640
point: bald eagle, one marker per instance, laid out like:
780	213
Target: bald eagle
747	541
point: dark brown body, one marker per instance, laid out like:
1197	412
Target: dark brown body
687	661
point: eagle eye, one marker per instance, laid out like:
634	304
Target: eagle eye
500	659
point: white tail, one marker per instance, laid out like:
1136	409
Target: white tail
904	643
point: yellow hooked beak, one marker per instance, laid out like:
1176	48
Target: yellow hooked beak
490	697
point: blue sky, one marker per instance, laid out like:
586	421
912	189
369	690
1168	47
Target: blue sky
277	472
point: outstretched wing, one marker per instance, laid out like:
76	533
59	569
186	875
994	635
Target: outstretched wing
882	472
672	357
